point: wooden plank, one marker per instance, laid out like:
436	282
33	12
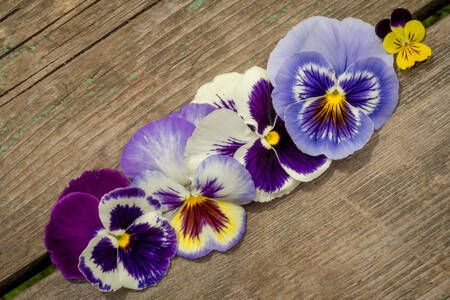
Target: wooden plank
59	43
24	19
80	116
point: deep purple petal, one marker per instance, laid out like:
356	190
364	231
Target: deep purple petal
371	86
303	76
160	146
74	221
383	28
223	178
96	183
317	131
146	260
265	169
122	216
193	112
121	207
400	17
301	166
260	104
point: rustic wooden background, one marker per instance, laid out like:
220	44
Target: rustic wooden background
79	77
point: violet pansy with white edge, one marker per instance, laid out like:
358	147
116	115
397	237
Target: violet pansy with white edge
253	134
134	248
334	85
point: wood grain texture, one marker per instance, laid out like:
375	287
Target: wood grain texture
374	224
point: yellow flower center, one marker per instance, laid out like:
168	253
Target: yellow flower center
334	98
124	240
194	200
272	138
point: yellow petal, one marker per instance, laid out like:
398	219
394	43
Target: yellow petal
414	31
404	59
412	53
392	43
398	31
421	51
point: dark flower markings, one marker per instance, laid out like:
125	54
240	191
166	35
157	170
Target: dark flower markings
153	202
228	104
169	197
105	255
266	171
122	216
202	212
260	105
357	91
209	188
129	192
315	84
147	257
90	276
228	147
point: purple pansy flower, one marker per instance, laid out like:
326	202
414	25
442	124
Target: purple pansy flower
135	245
74	218
334	84
203	204
252	133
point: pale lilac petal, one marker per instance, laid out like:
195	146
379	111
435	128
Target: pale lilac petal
193	112
98	262
146	259
371	86
304	76
223	178
300	166
219	92
164	190
160	146
96	183
339	42
221	132
120	208
270	179
290	44
74	221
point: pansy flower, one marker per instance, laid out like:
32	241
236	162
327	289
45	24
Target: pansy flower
402	36
250	131
134	248
74	218
203	204
334	84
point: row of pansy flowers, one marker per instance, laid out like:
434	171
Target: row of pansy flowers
245	137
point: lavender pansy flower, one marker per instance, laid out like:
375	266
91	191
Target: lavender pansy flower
74	219
252	133
203	204
135	245
334	85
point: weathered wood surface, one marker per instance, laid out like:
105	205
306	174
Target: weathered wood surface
375	224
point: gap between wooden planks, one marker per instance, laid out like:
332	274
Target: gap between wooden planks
36	161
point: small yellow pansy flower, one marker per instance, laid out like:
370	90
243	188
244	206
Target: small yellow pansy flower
403	36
